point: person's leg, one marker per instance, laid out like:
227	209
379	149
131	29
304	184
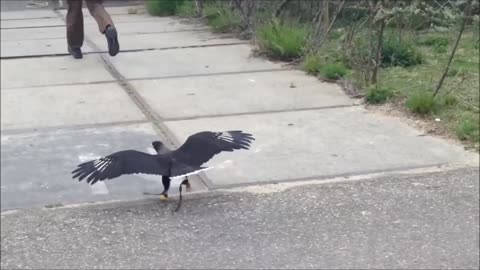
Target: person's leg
75	28
105	24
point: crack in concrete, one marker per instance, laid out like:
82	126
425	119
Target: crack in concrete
123	51
32	130
124	34
154	78
173	119
32	27
132	122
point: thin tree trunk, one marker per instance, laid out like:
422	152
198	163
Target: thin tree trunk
199	7
378	58
318	15
331	24
454	50
326	17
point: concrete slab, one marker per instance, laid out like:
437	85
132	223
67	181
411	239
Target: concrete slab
189	61
128	18
238	93
91	30
46	71
122	10
37	47
28	14
34	33
166	40
54	106
36	166
32	22
167	25
318	143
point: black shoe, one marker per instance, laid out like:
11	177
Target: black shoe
112	40
75	52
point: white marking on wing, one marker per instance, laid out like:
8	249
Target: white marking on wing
99	188
104	165
225	136
191	173
151	151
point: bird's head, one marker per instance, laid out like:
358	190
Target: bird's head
157	145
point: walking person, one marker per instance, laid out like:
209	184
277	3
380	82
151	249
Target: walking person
75	26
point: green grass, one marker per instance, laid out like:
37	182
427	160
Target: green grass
434	41
222	19
449	101
468	129
312	64
378	95
187	9
402	54
282	41
333	71
421	102
163	7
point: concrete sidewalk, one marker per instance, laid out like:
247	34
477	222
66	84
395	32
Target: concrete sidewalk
171	79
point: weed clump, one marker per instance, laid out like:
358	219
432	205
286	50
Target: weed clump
282	41
469	130
221	19
312	64
421	102
333	71
400	54
163	7
378	95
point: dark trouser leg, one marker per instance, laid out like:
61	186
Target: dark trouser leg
105	25
99	13
74	24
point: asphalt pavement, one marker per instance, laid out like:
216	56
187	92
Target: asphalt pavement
417	221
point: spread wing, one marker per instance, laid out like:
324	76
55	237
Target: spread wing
201	147
119	163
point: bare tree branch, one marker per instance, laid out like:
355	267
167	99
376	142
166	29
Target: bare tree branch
378	58
454	50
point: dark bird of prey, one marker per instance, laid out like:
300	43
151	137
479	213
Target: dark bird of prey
186	160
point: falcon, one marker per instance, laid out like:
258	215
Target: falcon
187	160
